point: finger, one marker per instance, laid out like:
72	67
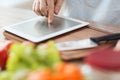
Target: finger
43	7
36	7
33	7
58	5
50	4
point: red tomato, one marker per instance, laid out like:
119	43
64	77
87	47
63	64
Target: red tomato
4	54
3	58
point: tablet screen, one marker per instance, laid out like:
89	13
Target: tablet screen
38	29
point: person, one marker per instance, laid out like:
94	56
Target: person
104	11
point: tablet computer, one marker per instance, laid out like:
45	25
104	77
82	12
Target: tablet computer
38	29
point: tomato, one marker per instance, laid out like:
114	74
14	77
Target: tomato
4	54
3	58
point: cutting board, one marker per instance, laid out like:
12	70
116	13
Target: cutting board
82	33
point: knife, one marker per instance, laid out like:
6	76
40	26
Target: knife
87	43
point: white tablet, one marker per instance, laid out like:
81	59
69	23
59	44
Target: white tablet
37	29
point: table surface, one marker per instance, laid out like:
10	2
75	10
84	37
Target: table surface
10	16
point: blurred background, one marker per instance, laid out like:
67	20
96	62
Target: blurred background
24	4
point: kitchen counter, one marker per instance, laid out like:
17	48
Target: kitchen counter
10	16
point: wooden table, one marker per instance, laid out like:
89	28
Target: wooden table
10	16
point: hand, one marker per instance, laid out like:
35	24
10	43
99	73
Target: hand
47	8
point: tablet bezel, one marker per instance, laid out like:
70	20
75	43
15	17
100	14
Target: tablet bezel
36	40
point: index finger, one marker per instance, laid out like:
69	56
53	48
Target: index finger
50	4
